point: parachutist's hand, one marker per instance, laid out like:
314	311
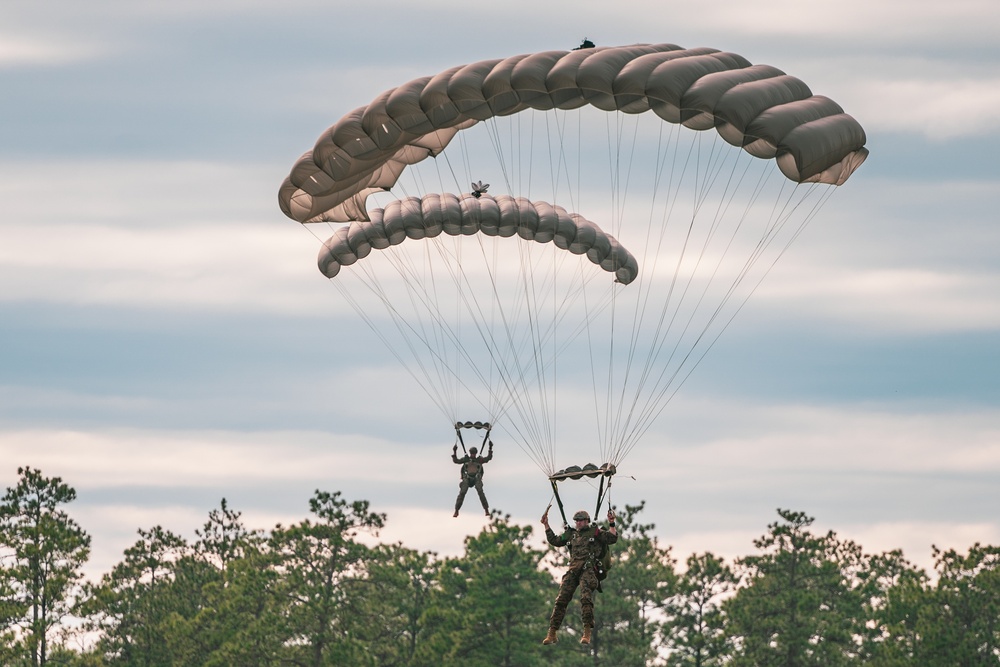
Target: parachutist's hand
545	517
611	517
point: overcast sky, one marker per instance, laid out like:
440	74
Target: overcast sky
166	340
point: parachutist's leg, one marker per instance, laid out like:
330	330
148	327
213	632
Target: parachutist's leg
568	586
462	488
588	584
482	496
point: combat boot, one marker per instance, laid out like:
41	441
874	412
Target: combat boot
585	639
551	637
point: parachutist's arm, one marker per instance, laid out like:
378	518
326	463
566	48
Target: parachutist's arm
555	540
489	457
454	455
551	537
611	536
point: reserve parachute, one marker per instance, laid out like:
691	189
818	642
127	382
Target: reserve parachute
701	167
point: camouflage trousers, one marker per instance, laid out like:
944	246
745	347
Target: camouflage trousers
464	486
586	579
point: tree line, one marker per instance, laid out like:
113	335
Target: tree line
318	593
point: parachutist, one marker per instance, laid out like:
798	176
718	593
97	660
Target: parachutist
472	475
479	189
589	561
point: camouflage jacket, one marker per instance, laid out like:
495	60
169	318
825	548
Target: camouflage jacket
584	545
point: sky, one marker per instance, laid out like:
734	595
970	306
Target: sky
166	340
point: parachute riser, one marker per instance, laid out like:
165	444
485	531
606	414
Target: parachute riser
601	492
562	512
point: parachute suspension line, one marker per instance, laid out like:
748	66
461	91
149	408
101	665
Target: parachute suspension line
621	192
622	153
642	303
602	429
559	163
431	389
531	296
375	288
534	298
432	306
664	381
614	152
422	287
512	375
622	188
706	177
448	371
601	493
810	215
454	259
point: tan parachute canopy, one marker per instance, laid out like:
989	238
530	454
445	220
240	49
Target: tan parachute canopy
427	217
757	107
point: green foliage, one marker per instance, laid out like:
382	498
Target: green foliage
47	551
132	606
798	606
319	587
395	592
894	595
696	629
960	625
318	593
628	614
491	605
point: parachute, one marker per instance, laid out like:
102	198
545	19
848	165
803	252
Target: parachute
503	216
701	166
757	107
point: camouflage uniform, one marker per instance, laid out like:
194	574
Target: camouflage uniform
584	550
472	475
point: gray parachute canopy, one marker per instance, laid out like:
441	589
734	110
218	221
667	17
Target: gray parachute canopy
427	217
757	107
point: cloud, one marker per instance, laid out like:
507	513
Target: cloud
152	234
712	474
938	105
141	458
19	51
890	301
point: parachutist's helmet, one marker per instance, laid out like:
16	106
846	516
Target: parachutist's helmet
582	515
472	451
